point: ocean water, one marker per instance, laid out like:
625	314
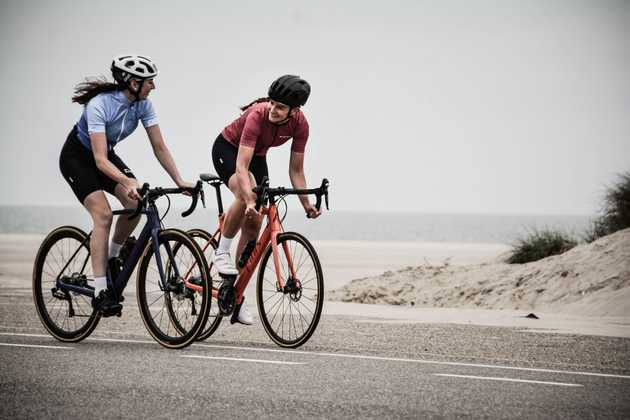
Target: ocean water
333	225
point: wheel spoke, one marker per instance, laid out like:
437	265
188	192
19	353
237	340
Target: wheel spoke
291	318
64	248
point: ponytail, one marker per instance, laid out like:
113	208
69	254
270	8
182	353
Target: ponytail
257	101
88	89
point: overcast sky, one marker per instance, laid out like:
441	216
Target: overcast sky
442	106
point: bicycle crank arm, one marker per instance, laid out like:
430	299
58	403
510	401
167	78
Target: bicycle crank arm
235	312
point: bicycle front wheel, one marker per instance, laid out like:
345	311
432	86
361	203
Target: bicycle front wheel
290	313
64	254
174	309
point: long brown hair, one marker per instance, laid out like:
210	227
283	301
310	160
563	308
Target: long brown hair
257	101
88	89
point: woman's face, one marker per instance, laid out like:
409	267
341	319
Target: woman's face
147	87
278	112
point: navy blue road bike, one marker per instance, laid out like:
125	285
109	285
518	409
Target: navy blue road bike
172	285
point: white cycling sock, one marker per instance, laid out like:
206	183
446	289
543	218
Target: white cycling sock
224	245
100	283
114	249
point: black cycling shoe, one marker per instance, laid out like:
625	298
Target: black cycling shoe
106	304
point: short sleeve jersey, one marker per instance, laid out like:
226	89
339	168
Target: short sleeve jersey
115	115
254	129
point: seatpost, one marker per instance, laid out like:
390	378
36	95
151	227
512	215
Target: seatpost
217	187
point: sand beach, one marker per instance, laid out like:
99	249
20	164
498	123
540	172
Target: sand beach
584	291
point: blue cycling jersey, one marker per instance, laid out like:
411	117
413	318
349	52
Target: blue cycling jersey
115	115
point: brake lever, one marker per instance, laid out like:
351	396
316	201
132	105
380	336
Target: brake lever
318	203
261	191
142	192
325	184
195	197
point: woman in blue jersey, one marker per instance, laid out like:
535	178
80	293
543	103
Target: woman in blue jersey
91	167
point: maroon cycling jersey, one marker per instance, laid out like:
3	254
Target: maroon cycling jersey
254	129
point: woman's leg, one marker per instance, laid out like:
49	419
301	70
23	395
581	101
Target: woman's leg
249	227
97	205
231	225
124	226
101	213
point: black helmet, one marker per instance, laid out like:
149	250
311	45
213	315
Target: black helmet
290	90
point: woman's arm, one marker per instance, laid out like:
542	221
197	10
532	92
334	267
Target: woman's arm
298	180
243	159
163	155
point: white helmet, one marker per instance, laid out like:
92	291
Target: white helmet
126	67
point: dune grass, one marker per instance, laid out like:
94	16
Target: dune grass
615	212
614	216
540	244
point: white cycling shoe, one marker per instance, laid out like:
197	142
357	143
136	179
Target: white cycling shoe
225	264
244	317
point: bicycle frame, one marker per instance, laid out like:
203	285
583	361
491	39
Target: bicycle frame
269	235
150	230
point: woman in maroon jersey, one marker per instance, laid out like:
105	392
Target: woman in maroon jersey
239	157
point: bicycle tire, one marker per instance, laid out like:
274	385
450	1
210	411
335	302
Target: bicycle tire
202	237
303	311
184	330
52	256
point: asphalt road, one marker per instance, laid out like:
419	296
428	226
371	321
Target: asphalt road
352	367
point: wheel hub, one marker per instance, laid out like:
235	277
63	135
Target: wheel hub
293	288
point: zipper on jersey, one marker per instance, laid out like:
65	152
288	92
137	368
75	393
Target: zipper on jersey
122	126
274	133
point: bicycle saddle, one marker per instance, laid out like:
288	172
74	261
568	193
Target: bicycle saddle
209	177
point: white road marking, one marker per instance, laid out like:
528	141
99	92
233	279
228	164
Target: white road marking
434	362
276	362
115	340
489	378
356	356
35	346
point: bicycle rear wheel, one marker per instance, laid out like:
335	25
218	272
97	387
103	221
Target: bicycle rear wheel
204	240
291	314
173	313
68	316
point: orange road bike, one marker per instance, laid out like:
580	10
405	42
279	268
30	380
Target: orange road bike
290	286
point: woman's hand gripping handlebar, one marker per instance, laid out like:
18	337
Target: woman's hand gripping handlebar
150	195
265	194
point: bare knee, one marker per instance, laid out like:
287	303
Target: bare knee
102	218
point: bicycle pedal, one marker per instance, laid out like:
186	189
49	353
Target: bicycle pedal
111	312
106	314
58	294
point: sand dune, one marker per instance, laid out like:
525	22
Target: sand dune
591	279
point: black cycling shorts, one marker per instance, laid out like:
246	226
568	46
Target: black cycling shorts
78	167
224	158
